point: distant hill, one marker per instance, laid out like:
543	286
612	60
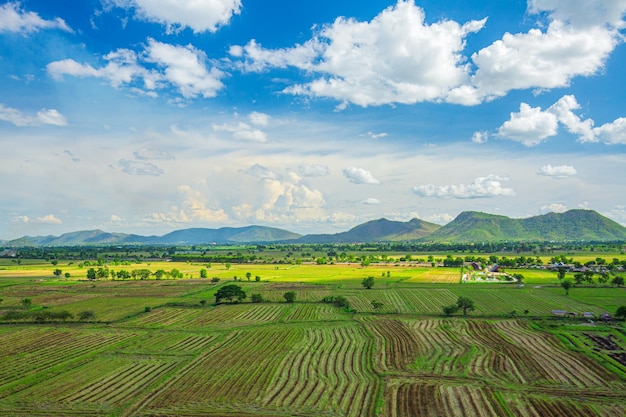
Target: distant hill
471	226
377	231
249	234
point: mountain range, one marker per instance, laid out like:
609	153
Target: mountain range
469	226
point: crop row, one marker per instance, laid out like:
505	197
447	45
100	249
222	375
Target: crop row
221	315
54	347
502	352
236	370
314	312
328	371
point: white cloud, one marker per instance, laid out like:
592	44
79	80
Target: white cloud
612	133
395	58
184	67
541	60
115	218
377	135
159	66
480	137
259	119
359	176
530	126
47	219
313	170
242	131
199	15
43	117
554	208
481	187
15	19
440	218
559	171
139	168
398	58
371	201
582	13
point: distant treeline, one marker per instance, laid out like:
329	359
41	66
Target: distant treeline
249	253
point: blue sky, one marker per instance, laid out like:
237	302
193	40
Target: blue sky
147	116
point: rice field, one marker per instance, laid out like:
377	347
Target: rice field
153	349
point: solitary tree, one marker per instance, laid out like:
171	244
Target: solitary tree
248	275
58	272
377	305
567	284
465	304
561	274
203	273
621	312
202	303
450	310
290	296
368	282
230	293
256	298
26	302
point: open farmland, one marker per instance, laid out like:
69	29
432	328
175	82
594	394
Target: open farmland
162	348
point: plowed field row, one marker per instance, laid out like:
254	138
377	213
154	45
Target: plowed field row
53	350
329	371
314	312
236	370
193	318
121	386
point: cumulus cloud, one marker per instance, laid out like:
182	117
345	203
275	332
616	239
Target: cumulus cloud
399	58
313	170
198	15
158	66
13	18
47	219
554	208
531	125
259	119
395	58
139	168
582	14
559	171
480	137
359	176
482	187
43	117
540	60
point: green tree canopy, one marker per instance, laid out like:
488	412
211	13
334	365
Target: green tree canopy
567	284
230	293
290	296
465	304
368	282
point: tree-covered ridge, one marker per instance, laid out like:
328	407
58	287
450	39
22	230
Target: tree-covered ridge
471	226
